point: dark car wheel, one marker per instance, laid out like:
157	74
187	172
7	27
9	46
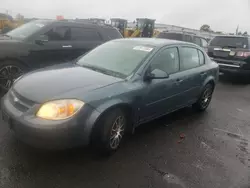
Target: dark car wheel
109	132
205	98
9	72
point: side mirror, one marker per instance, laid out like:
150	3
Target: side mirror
42	39
156	74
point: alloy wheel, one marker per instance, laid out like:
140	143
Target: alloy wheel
8	74
206	97
117	132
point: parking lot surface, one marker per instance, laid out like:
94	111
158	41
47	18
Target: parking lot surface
182	150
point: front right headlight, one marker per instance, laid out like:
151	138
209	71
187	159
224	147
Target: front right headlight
59	109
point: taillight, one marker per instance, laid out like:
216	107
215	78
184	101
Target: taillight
243	54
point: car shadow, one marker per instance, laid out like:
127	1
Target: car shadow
234	80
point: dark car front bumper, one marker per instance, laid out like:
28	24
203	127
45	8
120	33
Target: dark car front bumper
49	134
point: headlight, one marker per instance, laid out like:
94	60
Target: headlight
59	109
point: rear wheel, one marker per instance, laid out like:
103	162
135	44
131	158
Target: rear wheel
109	132
9	72
205	98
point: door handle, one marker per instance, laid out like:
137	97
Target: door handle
203	73
178	81
67	46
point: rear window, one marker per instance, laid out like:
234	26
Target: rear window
173	36
234	42
112	33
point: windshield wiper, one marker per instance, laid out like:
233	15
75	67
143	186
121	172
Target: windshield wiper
104	71
5	35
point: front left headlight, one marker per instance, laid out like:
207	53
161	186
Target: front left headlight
59	109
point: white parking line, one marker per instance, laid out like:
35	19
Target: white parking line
225	131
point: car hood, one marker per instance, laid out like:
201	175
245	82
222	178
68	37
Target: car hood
9	47
48	83
5	39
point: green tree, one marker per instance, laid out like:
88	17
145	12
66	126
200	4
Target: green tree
206	28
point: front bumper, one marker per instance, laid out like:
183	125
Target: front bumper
49	134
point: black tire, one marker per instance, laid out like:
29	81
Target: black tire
205	98
105	133
9	71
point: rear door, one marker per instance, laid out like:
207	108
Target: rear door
191	74
84	39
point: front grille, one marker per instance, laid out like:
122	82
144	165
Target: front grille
20	102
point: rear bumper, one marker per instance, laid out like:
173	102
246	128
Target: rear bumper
232	67
234	71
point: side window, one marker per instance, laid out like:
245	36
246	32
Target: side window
112	33
167	60
83	34
188	38
197	41
204	43
58	34
201	57
190	58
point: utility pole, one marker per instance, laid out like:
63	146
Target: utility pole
237	30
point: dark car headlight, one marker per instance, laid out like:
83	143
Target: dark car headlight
59	109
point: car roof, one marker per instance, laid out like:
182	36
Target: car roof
156	42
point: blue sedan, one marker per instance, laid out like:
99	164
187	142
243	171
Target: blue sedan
108	92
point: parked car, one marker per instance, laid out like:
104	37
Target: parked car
42	43
232	53
184	36
107	92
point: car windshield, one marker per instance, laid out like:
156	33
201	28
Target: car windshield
27	29
116	58
234	42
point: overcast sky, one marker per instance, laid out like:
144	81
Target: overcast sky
222	15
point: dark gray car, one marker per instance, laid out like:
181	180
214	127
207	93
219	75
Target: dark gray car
111	90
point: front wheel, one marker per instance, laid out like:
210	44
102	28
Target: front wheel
110	130
9	72
205	98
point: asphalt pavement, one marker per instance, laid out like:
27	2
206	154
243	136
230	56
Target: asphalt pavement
182	150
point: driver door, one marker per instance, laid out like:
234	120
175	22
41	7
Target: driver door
162	95
56	49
